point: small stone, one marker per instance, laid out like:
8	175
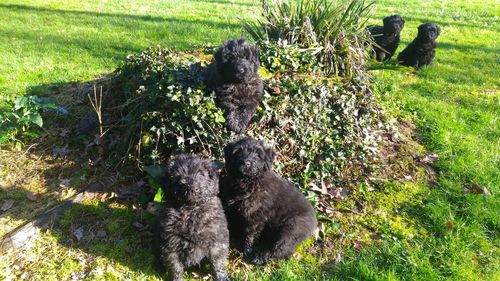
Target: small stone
429	159
138	225
78	233
64	183
61	151
101	234
477	189
7	204
32	196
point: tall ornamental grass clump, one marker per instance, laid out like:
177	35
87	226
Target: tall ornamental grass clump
333	29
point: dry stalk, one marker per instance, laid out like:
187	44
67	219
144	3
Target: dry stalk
97	105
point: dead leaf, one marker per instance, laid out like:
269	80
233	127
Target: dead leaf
64	132
338	192
297	256
138	225
376	237
151	208
429	159
78	233
359	244
449	224
64	183
94	162
476	189
61	151
7	204
97	139
78	276
32	196
101	234
338	258
486	191
315	188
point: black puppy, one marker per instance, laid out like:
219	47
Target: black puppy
193	226
386	37
268	217
421	51
233	74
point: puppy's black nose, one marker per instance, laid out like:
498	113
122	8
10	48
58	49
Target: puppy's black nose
241	70
248	163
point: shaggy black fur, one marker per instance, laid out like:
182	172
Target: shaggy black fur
193	226
268	217
233	74
387	37
421	51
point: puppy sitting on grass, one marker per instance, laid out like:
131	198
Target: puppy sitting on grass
386	37
421	50
193	226
268	217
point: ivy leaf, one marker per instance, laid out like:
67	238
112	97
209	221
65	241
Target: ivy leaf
154	171
36	119
159	196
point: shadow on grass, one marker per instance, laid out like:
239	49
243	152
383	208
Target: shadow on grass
83	36
391	64
61	161
461	23
464	49
229	2
117	233
116	19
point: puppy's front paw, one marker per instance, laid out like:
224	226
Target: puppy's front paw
247	251
258	260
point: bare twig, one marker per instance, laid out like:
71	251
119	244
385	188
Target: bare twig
97	105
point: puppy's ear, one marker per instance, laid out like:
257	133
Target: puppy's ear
163	179
211	169
438	30
421	29
228	151
255	54
386	21
218	55
269	155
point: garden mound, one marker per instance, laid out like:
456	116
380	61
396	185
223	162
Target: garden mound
326	129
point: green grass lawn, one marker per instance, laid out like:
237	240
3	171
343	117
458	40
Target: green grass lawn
456	106
47	42
429	231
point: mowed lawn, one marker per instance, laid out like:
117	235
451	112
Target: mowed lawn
455	104
46	42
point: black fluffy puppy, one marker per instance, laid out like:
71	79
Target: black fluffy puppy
233	74
268	217
421	51
387	37
193	226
